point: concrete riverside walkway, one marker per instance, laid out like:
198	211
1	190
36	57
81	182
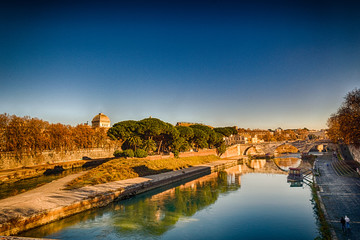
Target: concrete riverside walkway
51	202
340	196
21	238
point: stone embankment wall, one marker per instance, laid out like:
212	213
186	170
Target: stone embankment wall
11	160
232	151
355	152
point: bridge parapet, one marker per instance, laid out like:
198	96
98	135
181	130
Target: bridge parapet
269	147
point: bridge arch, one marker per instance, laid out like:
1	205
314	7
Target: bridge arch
319	146
286	148
253	150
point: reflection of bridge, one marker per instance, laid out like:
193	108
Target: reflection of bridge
270	147
272	166
256	166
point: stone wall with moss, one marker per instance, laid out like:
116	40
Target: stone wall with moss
11	160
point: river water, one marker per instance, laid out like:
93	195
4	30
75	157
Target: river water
249	201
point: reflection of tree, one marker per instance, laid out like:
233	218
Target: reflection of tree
155	216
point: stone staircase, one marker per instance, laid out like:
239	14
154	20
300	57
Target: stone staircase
343	169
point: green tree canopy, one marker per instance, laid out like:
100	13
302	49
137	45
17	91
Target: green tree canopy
149	133
132	142
151	128
200	138
212	137
226	131
123	130
149	145
152	133
185	132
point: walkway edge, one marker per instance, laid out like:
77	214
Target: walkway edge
18	223
322	206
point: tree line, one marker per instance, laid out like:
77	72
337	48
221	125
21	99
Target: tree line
344	125
154	136
32	136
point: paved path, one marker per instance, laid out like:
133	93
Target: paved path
341	196
36	199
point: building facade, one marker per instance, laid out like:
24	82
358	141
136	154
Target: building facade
101	120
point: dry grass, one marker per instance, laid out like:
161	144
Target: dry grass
120	169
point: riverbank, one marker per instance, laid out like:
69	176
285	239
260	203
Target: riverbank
125	168
52	202
339	196
17	174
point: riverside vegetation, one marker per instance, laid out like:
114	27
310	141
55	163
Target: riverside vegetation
155	136
122	168
344	124
25	136
323	225
151	136
31	136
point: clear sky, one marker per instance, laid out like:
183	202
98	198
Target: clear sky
256	64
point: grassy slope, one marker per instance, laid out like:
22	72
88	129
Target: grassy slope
120	169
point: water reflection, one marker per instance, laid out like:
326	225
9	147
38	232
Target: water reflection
157	214
296	183
256	164
234	175
153	214
214	206
286	163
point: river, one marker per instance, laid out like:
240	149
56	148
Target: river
249	201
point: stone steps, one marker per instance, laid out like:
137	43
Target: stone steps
342	169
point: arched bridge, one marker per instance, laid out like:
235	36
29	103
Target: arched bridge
269	148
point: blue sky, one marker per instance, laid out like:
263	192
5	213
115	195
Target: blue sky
252	64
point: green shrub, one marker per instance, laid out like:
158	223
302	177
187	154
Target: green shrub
221	149
176	153
140	153
128	153
118	153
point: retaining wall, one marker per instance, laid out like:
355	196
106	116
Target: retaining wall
11	160
355	152
232	151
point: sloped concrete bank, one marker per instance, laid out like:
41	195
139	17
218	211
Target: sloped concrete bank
21	238
28	210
